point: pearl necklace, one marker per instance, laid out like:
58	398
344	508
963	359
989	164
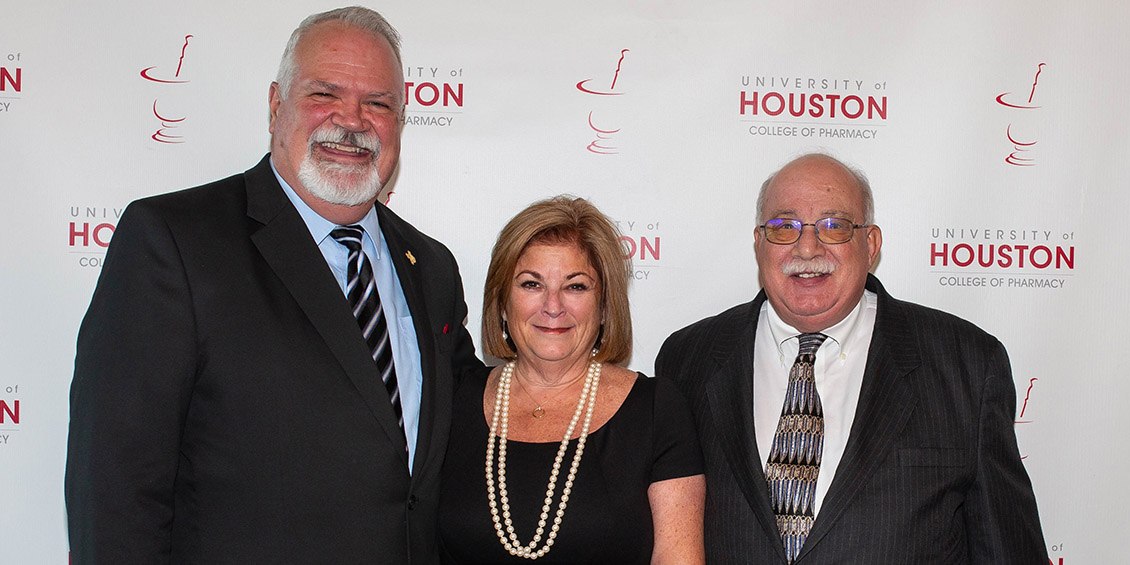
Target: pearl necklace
499	425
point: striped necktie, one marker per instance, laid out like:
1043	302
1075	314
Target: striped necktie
794	460
361	291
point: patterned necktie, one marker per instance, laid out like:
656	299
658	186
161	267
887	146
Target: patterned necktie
794	460
361	291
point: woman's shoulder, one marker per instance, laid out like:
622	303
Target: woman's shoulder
620	384
619	376
658	409
658	392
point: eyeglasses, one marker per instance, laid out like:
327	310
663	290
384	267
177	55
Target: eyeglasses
782	231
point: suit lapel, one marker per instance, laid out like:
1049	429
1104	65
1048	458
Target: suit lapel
730	394
411	281
286	246
886	401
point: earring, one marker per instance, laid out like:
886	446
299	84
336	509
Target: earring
506	337
599	339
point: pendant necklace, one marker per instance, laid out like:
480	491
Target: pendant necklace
539	412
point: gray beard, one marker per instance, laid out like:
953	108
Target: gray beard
339	184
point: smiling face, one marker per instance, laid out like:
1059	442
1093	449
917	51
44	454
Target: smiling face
813	285
336	132
553	311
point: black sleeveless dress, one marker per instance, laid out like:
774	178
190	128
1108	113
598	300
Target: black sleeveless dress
608	518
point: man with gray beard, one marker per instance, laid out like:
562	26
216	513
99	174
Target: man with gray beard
265	371
838	424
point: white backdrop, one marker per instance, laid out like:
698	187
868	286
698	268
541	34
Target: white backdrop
994	127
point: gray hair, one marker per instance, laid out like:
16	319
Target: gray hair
860	179
357	16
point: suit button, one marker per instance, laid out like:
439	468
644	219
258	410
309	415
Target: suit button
412	502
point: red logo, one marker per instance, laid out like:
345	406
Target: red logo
640	243
790	106
1021	145
603	145
11	82
429	94
611	89
1004	97
11	79
429	99
1002	257
1024	407
640	248
148	73
89	233
162	135
9	412
802	105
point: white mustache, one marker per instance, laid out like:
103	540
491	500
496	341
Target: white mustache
335	134
816	265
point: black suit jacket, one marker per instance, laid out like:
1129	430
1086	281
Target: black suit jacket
225	408
930	474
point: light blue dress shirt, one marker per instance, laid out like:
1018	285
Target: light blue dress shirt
402	334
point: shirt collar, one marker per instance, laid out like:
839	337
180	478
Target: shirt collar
785	336
320	227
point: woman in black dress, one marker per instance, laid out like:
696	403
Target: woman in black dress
560	454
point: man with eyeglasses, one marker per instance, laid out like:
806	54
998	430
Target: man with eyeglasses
840	425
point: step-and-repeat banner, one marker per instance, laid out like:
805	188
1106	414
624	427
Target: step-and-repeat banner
994	135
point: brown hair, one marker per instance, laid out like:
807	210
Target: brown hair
569	220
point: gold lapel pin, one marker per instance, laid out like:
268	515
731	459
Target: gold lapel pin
411	259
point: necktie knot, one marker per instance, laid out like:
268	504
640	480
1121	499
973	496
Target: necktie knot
349	236
809	343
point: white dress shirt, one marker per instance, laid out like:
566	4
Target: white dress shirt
840	362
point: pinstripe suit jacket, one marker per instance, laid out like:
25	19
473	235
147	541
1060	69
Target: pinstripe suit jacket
930	474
